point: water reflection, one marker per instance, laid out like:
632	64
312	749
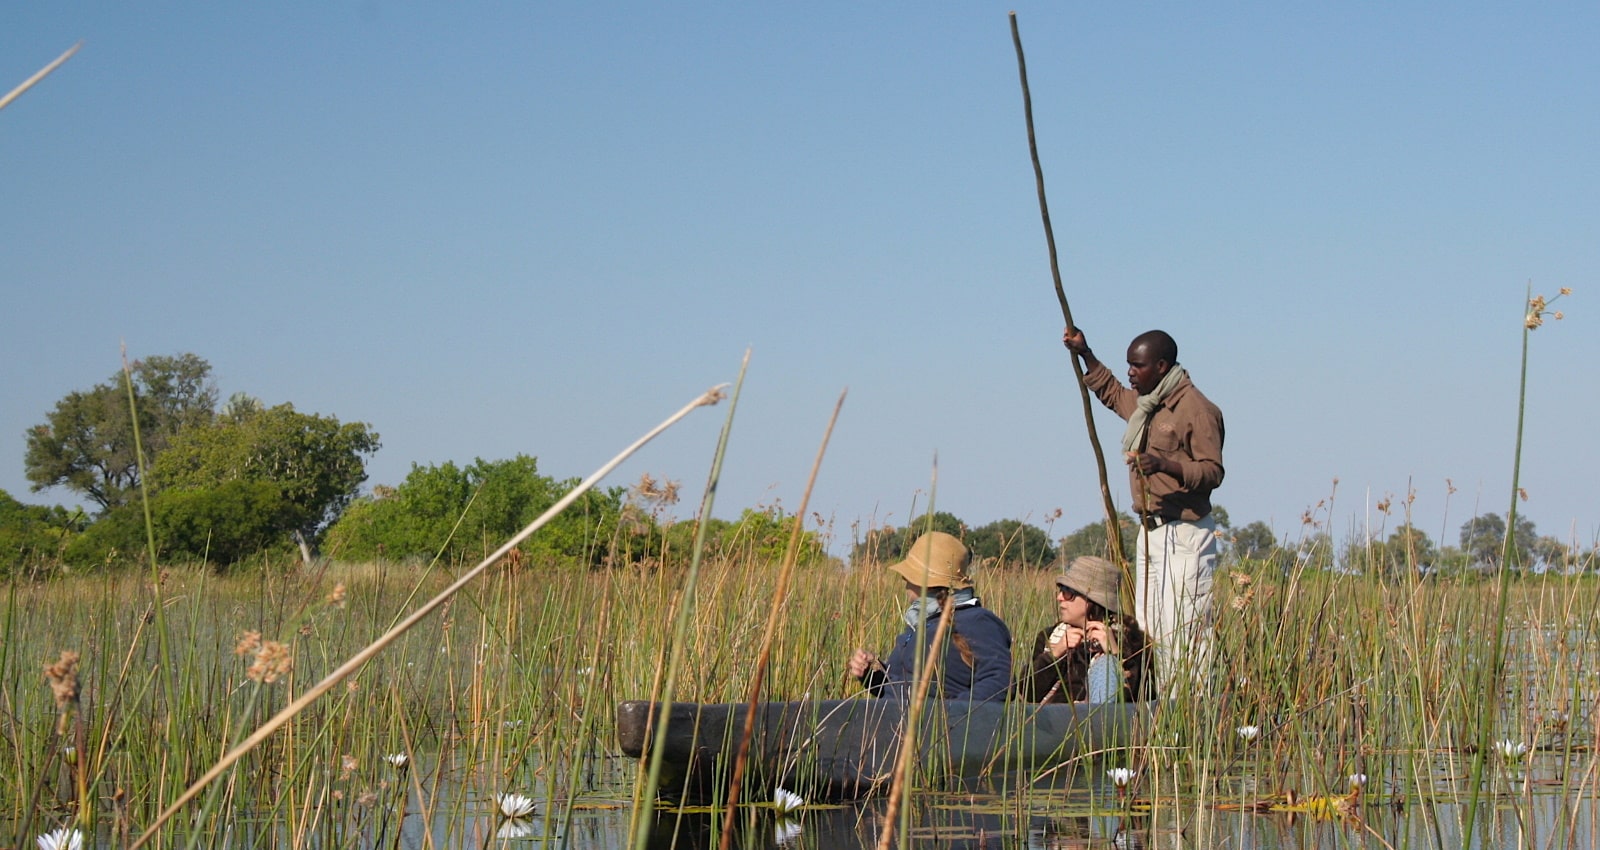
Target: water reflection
1542	801
947	827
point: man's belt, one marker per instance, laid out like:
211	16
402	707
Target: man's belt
1153	521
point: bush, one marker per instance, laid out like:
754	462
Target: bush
465	513
219	525
33	535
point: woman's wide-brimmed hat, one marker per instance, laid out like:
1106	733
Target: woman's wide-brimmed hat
1096	578
936	559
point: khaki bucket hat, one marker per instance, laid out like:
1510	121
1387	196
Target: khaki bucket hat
1096	578
937	559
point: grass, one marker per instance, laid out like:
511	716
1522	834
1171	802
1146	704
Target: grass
1359	686
511	687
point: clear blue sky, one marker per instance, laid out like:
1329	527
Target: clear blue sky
491	229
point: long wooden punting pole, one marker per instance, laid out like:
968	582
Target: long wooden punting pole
1113	532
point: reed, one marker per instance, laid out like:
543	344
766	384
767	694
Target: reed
498	695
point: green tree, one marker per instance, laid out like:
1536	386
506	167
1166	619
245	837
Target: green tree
1255	542
316	463
1091	539
1407	550
1483	539
1409	547
34	535
1554	554
1316	551
762	535
465	513
86	443
1012	541
222	524
889	544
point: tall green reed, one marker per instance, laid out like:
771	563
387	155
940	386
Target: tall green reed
1490	675
672	654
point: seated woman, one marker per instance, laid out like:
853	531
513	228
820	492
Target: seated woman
976	653
1092	654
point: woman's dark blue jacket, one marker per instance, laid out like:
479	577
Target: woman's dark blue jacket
989	677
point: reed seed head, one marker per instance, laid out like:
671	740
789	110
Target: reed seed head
249	644
63	678
273	662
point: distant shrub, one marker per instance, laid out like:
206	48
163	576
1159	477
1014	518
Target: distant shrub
33	536
219	525
465	513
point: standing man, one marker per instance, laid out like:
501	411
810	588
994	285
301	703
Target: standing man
1173	447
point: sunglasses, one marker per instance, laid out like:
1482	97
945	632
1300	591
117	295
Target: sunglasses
1067	594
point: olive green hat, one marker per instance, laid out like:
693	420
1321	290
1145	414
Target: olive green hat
936	560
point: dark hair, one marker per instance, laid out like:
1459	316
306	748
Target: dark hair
1160	344
962	645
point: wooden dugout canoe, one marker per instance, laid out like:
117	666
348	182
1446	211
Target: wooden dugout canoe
845	749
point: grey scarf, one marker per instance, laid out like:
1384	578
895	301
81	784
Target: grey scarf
927	607
1147	404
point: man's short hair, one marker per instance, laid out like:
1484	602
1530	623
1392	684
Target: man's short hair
1161	345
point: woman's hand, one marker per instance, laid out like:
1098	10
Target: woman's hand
1098	631
861	661
1063	639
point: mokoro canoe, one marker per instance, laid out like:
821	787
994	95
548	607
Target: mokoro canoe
846	749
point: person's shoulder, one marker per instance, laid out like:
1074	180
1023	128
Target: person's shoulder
1190	394
978	613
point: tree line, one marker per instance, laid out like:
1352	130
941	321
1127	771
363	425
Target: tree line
239	482
169	470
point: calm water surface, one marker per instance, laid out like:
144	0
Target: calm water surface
1551	803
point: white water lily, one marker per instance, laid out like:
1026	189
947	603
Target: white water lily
61	839
1120	776
515	806
1248	733
399	760
786	832
1510	749
786	801
516	828
1357	780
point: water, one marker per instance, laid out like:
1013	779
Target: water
977	824
1548	801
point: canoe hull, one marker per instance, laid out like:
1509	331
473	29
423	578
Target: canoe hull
846	749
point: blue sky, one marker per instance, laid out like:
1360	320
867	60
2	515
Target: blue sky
491	229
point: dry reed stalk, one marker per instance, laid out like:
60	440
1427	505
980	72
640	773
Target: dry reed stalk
645	791
913	717
1113	532
41	74
774	619
710	397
